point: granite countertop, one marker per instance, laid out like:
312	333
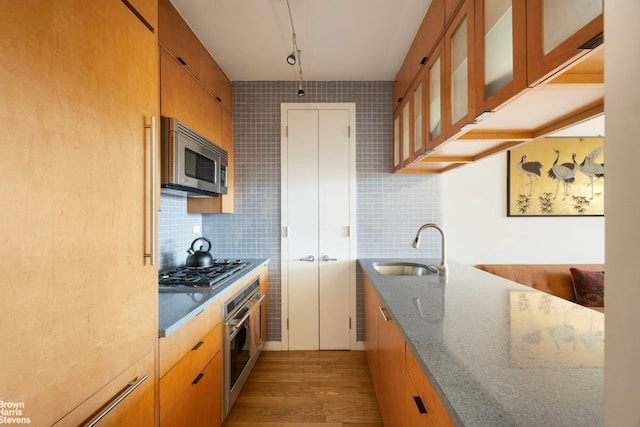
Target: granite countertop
177	307
499	353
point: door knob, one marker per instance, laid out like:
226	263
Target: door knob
310	258
326	258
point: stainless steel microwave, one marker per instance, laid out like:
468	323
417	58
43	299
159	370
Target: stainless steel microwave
190	164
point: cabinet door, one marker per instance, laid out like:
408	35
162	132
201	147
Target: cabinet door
223	203
200	405
396	139
435	89
127	401
418	117
177	37
214	79
371	314
79	302
556	30
183	97
406	131
391	373
501	46
459	69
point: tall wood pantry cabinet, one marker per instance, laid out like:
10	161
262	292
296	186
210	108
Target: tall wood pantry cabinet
78	315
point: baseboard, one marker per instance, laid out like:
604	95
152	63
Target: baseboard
277	346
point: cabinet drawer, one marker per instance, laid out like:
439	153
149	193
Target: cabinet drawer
437	412
180	377
135	409
200	404
176	345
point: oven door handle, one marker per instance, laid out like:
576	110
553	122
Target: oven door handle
233	325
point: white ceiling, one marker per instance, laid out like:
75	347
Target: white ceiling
340	39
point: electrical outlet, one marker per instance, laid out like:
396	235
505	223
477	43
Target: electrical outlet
196	229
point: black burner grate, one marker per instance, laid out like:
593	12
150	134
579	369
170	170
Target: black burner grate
200	276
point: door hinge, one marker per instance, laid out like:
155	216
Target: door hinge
285	231
287	323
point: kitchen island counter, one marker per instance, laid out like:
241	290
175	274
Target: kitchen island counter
499	353
177	307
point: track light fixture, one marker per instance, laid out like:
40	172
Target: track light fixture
295	56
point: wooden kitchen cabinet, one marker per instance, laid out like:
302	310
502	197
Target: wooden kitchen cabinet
391	348
459	95
424	407
371	302
136	385
424	41
174	33
199	405
397	378
182	97
226	202
215	80
195	90
79	303
146	10
190	386
501	51
385	354
434	82
556	32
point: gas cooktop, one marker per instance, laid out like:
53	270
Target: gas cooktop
201	277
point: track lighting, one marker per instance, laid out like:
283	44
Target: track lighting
295	57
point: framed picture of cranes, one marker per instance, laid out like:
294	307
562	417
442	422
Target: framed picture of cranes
556	177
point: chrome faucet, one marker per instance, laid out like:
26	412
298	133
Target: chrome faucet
442	268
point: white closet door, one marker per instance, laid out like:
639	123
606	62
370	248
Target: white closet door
302	212
318	272
334	209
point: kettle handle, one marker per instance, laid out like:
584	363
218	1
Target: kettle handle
194	242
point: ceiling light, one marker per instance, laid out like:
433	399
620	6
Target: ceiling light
295	57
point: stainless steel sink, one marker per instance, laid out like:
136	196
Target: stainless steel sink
404	269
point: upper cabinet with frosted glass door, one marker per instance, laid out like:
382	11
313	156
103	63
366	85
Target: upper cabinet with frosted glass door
501	49
459	101
558	32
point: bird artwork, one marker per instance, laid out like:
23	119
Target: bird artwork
530	169
564	172
594	171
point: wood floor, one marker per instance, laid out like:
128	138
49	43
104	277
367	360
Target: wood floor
306	389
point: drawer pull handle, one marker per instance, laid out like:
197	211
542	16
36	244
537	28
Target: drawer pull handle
421	408
116	401
385	316
198	378
197	346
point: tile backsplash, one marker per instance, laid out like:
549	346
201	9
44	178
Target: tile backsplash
390	208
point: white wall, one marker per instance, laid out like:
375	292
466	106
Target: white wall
622	110
479	231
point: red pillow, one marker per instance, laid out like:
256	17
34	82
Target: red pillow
589	287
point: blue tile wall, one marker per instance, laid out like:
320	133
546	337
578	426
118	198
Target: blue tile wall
390	208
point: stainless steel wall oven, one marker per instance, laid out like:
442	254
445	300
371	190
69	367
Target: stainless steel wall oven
242	341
